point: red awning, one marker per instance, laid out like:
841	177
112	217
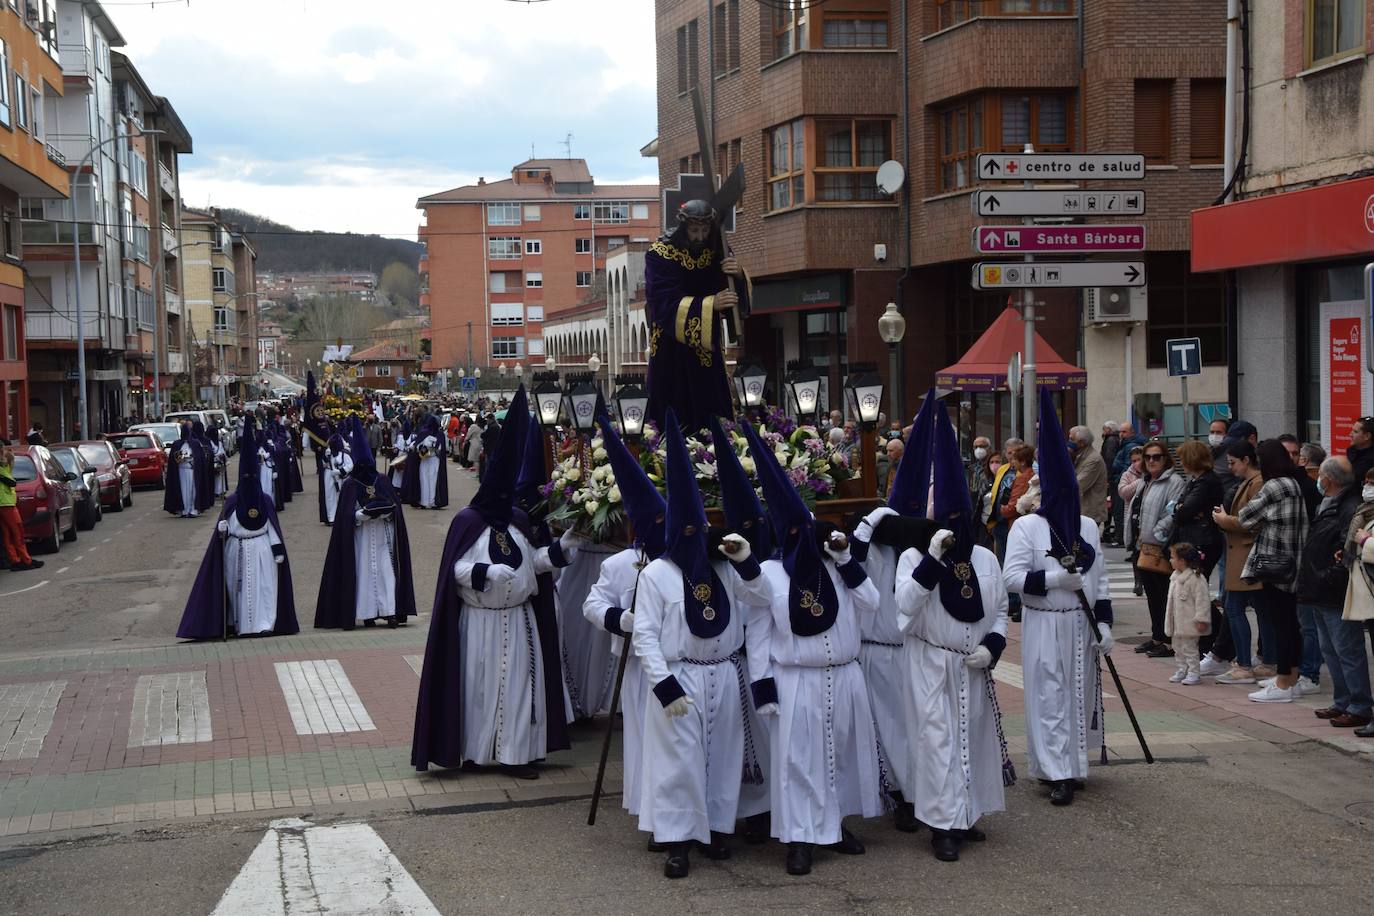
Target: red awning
984	366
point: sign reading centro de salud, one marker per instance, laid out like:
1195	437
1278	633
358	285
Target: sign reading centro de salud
1028	166
1058	239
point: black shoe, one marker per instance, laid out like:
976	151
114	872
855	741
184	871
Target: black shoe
848	845
717	850
904	818
1161	650
946	845
658	847
757	828
519	771
392	623
1139	590
1062	793
799	858
677	865
972	835
35	564
1146	646
369	623
1015	615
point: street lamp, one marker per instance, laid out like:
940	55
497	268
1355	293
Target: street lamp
632	404
582	395
76	258
891	328
519	374
550	364
805	384
548	398
865	390
749	384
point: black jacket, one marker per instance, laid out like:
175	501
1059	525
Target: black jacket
1321	579
1193	515
1361	460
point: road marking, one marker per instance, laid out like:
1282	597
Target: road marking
170	709
26	712
29	589
106	541
321	699
299	868
63	569
416	663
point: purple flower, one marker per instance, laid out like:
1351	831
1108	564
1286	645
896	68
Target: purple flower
797	476
820	486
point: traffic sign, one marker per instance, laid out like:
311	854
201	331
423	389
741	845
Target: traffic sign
996	275
1058	239
1184	355
1027	166
1059	203
467	383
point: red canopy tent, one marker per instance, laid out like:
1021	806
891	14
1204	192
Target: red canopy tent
984	366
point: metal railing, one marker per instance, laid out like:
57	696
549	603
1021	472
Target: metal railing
57	326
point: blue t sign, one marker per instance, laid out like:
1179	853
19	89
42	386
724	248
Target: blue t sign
1184	355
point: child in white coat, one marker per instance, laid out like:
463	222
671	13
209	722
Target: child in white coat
1188	612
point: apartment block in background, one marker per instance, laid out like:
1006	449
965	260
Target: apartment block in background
500	255
220	296
29	169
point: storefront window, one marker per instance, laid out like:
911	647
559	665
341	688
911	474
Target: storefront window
1332	396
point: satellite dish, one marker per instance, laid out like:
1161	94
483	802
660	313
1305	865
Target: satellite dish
891	176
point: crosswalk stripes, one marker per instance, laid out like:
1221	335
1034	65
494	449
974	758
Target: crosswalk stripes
1121	577
416	663
26	714
170	709
321	698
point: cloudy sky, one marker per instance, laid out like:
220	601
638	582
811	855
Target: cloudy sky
338	114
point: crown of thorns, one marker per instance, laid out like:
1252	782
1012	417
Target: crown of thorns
693	211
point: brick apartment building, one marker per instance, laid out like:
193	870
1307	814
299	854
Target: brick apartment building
501	254
810	99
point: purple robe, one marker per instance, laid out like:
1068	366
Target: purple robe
320	456
207	605
410	478
337	604
202	469
439	709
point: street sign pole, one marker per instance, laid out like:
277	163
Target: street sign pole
1030	400
1187	411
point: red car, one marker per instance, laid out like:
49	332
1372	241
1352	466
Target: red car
111	472
146	456
45	502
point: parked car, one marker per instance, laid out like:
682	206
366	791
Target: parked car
112	473
145	455
85	487
210	418
45	500
167	433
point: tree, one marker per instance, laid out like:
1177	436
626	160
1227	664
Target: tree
400	284
326	319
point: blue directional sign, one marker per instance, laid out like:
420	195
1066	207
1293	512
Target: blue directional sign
467	384
400	380
1184	355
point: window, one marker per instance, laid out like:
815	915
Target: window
507	314
1152	108
534	313
786	164
503	214
789	26
584	278
534	246
582	246
141	240
13	230
36	110
534	280
138	172
689	165
961	139
11	332
503	248
498	283
21	102
382	370
1207	113
639	211
221	318
535	344
613	211
4	84
1039	119
687	59
507	347
953	12
725	22
999	121
848	156
1185	304
582	211
1334	28
220	279
855	30
532	213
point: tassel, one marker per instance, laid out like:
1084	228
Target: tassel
1008	774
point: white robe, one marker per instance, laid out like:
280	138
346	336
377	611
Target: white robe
504	716
693	764
429	472
955	754
266	473
614	592
336	468
588	668
250	570
823	744
374	565
186	473
1058	654
221	461
880	655
398	464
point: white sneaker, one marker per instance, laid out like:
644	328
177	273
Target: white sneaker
1212	666
1190	679
1178	675
1273	694
1306	687
1267	681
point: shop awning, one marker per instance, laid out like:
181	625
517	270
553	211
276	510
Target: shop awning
984	366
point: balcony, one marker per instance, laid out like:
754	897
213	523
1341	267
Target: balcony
73	147
169	241
77	61
173	300
424	265
167	181
820	83
57	326
176	362
55	155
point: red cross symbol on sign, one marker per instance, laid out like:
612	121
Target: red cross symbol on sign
1012	166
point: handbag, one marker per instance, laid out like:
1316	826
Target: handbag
1152	558
1272	569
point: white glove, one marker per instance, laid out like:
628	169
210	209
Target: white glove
734	548
936	550
569	544
279	560
1063	578
1106	644
981	657
499	576
627	622
222	527
768	709
864	530
840	555
274	475
358	516
678	707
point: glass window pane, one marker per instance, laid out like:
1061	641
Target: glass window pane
798	190
1323	28
836	145
873	143
781	142
1015	120
1016	6
1350	25
976	125
798	147
778	191
961	130
947	133
1054	6
1053	127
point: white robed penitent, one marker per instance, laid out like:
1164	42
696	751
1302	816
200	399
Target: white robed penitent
336	469
374	564
1059	656
955	762
250	570
588	667
186	476
880	656
429	471
266	473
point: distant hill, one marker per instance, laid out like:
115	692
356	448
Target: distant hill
282	248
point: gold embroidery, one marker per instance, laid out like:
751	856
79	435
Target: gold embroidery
673	253
708	322
684	308
252	513
653	339
809	602
702	592
502	542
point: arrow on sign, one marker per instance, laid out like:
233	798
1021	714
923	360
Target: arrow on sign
1132	273
991	167
992	203
991	239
